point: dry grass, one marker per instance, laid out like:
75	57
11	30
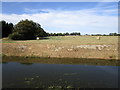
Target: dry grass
64	46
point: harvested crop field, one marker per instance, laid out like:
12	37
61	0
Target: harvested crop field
106	47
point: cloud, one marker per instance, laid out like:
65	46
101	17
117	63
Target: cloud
27	10
84	21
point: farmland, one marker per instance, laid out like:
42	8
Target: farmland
63	47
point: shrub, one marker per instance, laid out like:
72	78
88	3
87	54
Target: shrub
16	36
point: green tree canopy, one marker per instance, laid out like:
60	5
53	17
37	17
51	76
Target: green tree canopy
27	30
6	28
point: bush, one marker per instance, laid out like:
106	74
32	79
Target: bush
16	36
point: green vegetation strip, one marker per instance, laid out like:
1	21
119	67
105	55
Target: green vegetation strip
31	60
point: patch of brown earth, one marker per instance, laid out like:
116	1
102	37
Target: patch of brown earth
60	51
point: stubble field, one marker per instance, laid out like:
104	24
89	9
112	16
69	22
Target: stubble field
64	47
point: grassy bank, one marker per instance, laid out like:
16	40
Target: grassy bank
31	60
63	47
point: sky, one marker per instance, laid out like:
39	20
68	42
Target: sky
60	0
61	17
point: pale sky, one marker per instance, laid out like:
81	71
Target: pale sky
83	17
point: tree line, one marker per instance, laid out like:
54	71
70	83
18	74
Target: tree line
110	34
27	30
64	34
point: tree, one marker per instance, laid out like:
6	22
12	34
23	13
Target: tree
27	30
6	28
66	33
40	31
75	33
113	34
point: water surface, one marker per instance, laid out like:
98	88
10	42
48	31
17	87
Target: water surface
44	75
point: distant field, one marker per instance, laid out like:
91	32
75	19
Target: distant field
64	46
71	40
